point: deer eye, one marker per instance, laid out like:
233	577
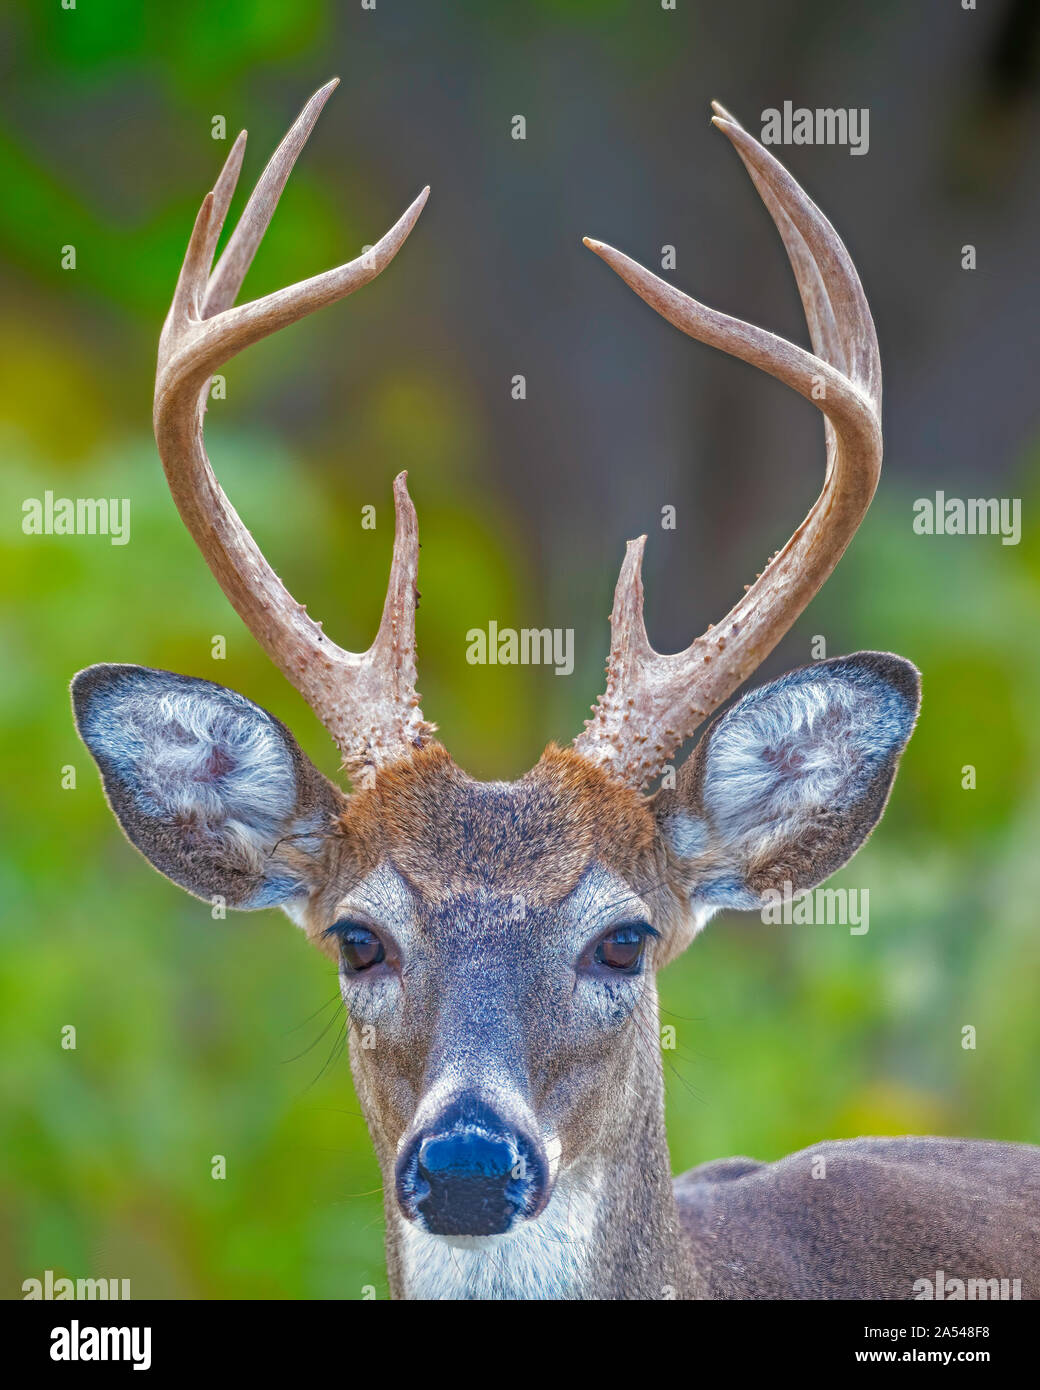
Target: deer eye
623	948
359	947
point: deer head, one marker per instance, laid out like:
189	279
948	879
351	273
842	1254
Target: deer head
497	943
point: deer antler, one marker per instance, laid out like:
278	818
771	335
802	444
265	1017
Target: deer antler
367	700
653	702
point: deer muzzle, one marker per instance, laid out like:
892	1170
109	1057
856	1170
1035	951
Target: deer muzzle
472	1172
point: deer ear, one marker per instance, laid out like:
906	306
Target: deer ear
787	784
213	790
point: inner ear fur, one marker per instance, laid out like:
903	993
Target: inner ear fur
708	860
253	833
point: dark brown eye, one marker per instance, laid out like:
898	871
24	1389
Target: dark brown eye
622	949
359	947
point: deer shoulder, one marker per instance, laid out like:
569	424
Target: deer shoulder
865	1218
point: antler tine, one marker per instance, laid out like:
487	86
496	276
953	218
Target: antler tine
653	702
231	269
223	192
366	700
836	310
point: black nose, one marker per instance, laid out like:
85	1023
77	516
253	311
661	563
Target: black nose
470	1173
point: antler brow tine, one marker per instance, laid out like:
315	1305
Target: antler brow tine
366	700
654	702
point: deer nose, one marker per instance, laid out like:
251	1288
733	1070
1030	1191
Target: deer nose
471	1173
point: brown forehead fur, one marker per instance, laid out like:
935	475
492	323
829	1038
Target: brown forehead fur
447	833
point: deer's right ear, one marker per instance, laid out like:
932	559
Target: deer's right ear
213	790
784	787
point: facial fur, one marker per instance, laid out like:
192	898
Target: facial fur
490	896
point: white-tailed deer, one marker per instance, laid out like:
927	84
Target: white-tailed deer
500	941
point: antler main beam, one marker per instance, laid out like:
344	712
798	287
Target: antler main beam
367	700
654	702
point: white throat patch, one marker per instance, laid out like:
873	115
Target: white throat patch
546	1258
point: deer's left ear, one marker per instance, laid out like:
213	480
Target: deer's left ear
784	787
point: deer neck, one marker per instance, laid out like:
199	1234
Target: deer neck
610	1230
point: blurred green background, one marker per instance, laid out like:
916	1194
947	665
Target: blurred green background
197	1038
